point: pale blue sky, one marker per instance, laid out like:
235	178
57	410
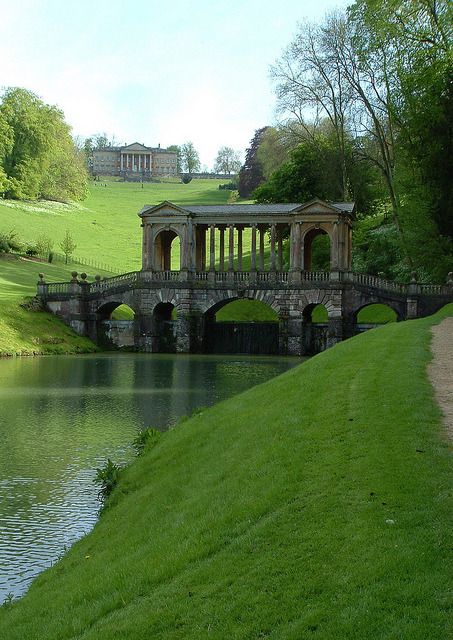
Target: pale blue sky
154	71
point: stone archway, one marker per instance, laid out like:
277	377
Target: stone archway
312	250
163	248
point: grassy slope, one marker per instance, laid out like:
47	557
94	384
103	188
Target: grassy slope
105	226
22	331
317	505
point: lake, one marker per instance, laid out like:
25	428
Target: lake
61	418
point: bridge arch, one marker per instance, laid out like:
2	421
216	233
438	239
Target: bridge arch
105	310
164	246
251	335
377	313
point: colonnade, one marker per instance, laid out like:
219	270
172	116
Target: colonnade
136	162
231	238
212	238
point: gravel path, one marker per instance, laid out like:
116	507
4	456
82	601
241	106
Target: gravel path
440	370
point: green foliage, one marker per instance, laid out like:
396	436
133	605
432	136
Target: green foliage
146	439
190	160
38	158
44	245
67	245
107	477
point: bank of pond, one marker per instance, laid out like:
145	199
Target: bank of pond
315	504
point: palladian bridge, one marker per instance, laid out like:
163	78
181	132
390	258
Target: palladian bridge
175	308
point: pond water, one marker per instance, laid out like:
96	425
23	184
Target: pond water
62	417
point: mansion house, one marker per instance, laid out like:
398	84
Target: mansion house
134	161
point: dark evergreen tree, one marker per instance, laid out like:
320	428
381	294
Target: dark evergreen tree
251	173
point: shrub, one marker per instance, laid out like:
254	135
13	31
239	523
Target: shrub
4	244
107	477
186	179
146	438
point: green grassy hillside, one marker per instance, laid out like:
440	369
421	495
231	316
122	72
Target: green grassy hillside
317	505
105	226
24	331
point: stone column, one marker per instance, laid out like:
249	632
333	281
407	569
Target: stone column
272	263
261	250
280	248
212	248
239	228
230	247
222	249
253	249
335	246
139	161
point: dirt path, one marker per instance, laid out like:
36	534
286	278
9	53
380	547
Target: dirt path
440	370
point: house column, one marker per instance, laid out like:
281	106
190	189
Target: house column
212	248
230	247
272	263
261	250
253	249
239	228
222	249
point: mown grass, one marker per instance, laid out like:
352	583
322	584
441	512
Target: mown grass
26	332
317	505
105	226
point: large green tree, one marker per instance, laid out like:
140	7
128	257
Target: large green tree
39	158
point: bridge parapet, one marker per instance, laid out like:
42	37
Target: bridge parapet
263	279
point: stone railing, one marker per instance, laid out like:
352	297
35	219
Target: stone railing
54	288
378	283
266	279
124	280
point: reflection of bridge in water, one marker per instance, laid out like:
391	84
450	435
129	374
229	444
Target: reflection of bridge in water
175	309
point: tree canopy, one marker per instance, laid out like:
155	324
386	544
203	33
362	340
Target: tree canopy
227	161
190	160
38	158
375	82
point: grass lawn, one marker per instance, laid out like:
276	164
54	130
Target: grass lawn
25	332
105	226
316	505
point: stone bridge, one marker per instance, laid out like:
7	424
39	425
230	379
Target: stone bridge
157	298
175	307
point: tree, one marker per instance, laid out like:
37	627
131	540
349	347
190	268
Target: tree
68	246
40	159
251	173
310	82
190	160
227	161
298	180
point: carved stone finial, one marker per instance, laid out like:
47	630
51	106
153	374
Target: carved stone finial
83	276
74	275
450	277
97	278
413	276
41	277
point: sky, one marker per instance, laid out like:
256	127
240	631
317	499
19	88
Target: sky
152	71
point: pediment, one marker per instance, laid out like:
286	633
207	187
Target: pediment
165	208
135	146
321	207
317	207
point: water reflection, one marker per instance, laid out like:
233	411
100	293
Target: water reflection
61	417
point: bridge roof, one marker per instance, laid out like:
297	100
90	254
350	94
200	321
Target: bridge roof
267	211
